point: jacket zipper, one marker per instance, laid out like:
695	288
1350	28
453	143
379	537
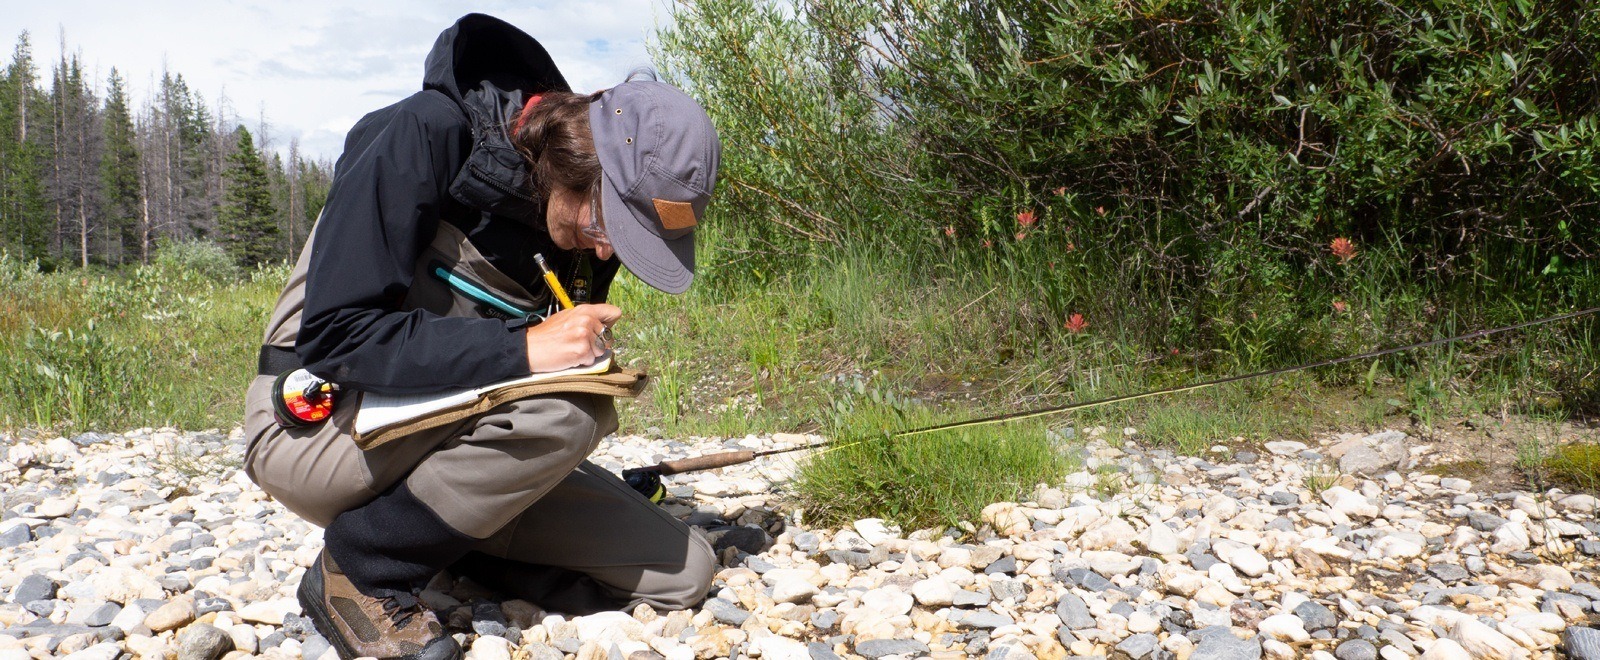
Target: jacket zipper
479	174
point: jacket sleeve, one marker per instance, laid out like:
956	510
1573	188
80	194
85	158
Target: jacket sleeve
383	208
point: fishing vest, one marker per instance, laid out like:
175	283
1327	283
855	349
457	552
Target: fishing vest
449	250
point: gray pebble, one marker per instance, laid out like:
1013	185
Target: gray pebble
878	648
32	588
1074	612
1485	522
102	615
203	641
209	605
807	542
1356	649
1315	616
271	641
1448	572
1218	643
15	536
1581	643
726	612
1139	647
964	598
1006	564
314	647
821	651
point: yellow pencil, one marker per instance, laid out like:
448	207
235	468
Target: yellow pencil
555	284
561	293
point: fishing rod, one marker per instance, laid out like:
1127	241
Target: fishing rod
647	480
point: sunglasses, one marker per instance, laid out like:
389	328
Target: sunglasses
595	230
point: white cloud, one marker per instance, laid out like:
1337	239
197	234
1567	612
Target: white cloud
314	66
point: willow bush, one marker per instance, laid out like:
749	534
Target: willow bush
1176	170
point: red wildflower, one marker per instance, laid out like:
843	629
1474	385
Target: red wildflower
1343	249
949	230
1021	235
1026	218
1076	324
988	243
1340	306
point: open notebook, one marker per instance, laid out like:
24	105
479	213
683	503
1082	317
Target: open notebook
378	411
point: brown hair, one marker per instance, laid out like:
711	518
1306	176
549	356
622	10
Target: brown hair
553	134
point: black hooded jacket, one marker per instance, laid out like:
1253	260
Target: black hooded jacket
390	191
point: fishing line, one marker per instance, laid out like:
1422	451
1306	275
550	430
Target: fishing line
734	458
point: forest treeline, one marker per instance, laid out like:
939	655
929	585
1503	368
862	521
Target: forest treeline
89	176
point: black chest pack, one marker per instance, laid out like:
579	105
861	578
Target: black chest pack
496	177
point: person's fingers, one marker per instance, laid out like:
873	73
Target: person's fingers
606	314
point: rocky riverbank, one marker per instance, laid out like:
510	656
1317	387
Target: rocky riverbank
154	544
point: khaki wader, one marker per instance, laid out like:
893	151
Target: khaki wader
516	477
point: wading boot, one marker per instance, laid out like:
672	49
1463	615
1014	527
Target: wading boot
359	625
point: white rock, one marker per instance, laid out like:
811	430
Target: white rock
1445	649
1284	628
101	651
1484	642
608	627
269	611
1140	622
1181	581
1580	503
934	592
794	590
122	585
1510	537
887	601
1242	557
1006	519
1349	503
1286	447
1396	546
490	647
1113	533
876	530
244	637
1159	539
1110	563
775	647
56	507
954	558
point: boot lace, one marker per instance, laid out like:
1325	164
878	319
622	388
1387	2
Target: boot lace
400	608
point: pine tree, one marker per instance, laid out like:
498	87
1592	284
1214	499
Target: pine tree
119	170
247	224
24	223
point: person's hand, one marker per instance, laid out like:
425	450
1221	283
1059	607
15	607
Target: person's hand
570	338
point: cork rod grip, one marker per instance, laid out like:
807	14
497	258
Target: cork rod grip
707	462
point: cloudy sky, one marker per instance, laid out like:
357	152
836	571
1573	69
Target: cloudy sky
314	66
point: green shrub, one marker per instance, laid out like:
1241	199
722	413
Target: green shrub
1176	172
200	258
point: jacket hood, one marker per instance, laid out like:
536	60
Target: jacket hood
481	48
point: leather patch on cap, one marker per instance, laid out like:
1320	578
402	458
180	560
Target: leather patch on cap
675	215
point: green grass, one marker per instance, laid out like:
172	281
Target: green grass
928	481
859	345
157	346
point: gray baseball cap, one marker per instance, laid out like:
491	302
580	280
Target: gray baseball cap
658	157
